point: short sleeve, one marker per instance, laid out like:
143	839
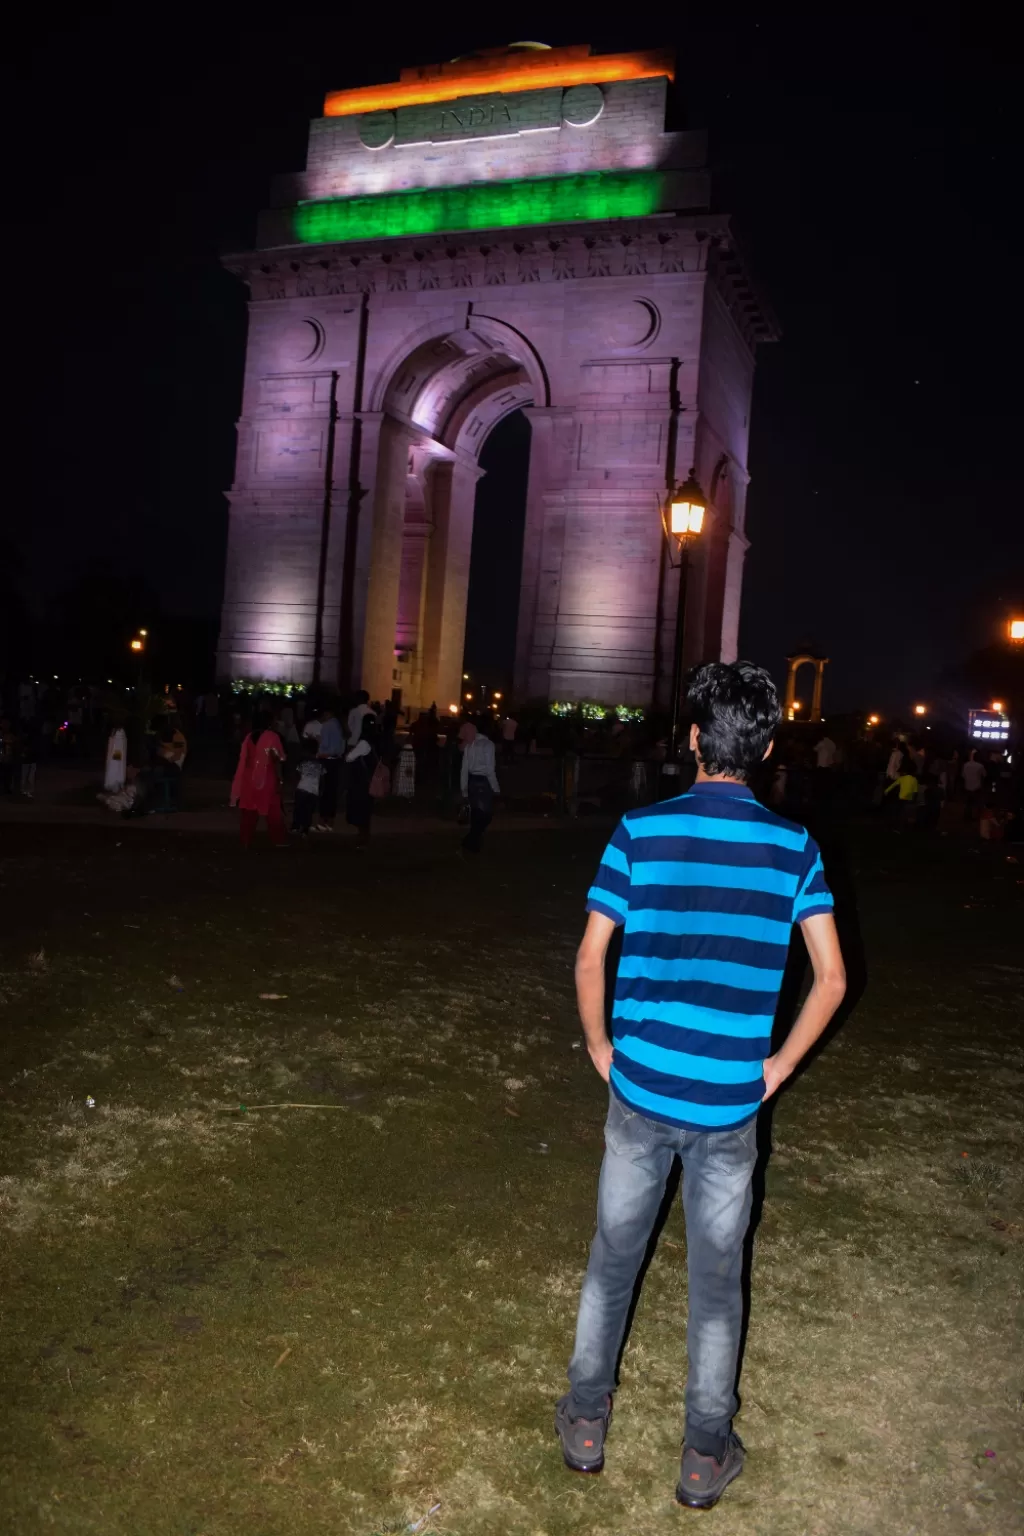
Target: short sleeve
609	893
813	895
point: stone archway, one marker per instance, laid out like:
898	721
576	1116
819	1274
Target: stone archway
443	261
438	405
794	663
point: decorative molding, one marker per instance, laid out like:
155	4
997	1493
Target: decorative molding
640	248
634	248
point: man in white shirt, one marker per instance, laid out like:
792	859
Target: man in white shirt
479	784
825	752
354	724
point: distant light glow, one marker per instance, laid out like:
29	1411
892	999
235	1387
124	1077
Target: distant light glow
136	645
494	205
989	726
997	706
453	709
920	709
1017	629
874	719
509	72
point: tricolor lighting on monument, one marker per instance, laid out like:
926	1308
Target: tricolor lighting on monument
499	205
509	139
516	230
523	67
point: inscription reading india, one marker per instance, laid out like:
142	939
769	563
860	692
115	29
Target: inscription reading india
491	114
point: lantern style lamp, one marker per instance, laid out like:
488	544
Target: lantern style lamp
683	520
686	509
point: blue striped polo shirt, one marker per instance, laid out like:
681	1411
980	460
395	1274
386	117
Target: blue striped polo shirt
707	887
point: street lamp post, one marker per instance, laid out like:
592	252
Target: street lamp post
682	519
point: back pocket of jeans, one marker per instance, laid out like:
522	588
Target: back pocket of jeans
626	1131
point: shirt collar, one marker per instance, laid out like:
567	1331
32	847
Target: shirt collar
722	790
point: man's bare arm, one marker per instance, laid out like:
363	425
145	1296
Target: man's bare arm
822	940
590	961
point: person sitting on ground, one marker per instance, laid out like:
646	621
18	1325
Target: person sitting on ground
123	801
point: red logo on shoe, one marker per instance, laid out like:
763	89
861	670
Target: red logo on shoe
588	1444
694	1477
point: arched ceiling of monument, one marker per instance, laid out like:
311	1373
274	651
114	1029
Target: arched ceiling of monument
456	388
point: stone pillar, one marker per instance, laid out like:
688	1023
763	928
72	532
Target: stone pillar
819	683
451	501
737	551
383	535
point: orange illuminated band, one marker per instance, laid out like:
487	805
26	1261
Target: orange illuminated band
507	72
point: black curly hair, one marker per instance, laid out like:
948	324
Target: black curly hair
736	711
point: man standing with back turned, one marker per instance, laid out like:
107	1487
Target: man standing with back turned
707	887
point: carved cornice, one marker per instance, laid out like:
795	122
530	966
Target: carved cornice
624	248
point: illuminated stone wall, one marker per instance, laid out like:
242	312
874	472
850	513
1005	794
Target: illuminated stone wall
629	341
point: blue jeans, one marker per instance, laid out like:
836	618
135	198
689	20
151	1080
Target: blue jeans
717	1169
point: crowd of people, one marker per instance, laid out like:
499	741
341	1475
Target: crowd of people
915	784
334	757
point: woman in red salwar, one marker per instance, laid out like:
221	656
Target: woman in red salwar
257	782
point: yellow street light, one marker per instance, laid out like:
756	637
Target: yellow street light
920	709
469	698
497	695
453	709
997	706
686	509
137	645
874	719
143	633
1017	629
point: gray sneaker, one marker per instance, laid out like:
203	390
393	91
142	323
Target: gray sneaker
582	1439
703	1479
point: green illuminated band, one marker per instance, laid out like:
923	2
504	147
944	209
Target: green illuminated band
485	205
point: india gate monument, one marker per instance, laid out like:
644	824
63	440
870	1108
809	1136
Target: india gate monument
515	230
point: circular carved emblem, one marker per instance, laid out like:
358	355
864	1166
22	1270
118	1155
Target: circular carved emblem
582	105
632	324
301	342
377	129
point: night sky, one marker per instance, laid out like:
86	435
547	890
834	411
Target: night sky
868	158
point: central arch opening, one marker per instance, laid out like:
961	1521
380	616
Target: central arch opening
449	513
496	557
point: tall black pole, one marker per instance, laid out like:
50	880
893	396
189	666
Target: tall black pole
677	661
325	529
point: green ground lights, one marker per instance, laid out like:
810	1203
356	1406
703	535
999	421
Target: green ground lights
492	205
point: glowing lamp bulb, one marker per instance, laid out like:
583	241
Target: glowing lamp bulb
873	719
136	645
453	709
920	709
143	632
1017	629
686	509
998	706
469	697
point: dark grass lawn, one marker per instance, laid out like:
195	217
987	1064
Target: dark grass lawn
329	1320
